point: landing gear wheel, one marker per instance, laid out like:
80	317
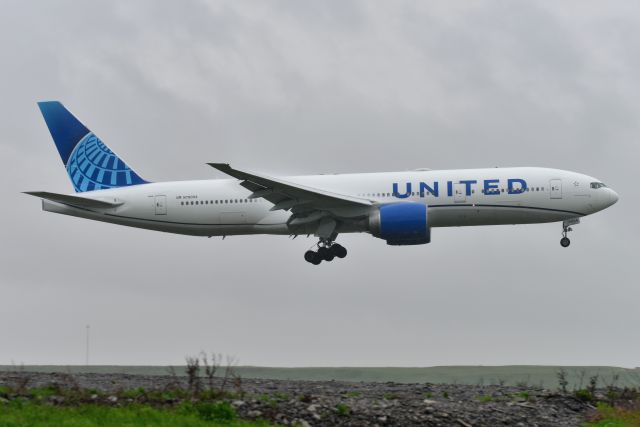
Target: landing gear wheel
339	250
312	257
327	250
325	253
566	228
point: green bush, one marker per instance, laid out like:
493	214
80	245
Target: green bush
43	392
584	395
4	390
133	393
342	409
218	411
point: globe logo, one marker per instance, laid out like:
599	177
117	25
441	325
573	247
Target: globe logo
93	166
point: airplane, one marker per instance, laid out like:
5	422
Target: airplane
398	207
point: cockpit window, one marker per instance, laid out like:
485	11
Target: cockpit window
597	185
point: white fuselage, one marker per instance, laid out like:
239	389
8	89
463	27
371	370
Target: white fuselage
453	198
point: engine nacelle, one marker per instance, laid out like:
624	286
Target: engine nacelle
401	224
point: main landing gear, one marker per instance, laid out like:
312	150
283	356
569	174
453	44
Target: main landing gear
327	251
565	242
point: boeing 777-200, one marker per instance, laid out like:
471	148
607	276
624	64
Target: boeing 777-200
398	207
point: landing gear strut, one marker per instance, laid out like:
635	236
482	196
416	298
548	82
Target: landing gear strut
327	251
565	242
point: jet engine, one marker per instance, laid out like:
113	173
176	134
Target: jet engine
401	224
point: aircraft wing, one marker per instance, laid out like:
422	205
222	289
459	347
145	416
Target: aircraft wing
81	202
287	195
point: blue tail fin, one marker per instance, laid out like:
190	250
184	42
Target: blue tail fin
91	165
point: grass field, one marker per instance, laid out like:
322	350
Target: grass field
545	376
615	417
26	414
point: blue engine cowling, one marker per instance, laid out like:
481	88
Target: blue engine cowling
401	224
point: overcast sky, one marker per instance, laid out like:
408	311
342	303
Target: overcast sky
291	87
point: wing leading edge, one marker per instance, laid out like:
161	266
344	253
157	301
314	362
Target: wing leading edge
287	195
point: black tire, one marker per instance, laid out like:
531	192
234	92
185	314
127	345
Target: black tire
325	254
312	257
339	250
565	242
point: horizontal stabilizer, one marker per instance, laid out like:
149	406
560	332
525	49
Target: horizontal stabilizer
82	202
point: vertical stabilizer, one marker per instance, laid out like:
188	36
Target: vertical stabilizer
91	165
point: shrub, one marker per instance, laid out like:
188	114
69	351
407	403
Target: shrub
562	379
133	393
219	411
584	395
42	392
342	409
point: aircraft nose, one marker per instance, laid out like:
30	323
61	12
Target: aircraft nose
613	197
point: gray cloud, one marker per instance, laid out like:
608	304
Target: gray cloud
291	88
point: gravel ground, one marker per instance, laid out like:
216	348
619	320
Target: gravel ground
332	403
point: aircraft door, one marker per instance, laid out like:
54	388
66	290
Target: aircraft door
459	193
160	203
555	188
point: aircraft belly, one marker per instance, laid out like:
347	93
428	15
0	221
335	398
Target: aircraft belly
456	215
167	223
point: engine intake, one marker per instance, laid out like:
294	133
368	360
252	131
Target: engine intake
401	224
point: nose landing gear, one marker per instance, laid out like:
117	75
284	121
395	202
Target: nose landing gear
327	251
565	242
